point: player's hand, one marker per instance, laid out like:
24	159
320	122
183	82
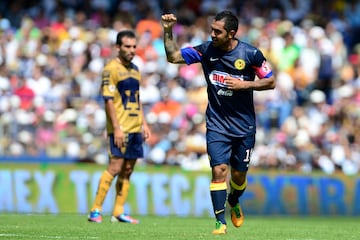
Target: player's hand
168	20
233	83
146	132
119	138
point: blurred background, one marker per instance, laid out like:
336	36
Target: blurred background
52	53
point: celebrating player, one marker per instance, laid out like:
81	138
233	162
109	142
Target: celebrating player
230	67
126	127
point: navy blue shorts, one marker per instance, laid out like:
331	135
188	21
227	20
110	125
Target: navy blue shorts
233	151
133	147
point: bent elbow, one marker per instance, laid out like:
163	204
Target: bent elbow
272	83
170	59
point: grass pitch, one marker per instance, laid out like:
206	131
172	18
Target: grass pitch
74	226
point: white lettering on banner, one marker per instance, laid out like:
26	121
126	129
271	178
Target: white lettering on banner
166	193
177	185
46	198
202	197
6	192
160	194
80	180
140	181
180	205
22	192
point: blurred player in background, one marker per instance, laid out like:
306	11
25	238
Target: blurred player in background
126	127
230	67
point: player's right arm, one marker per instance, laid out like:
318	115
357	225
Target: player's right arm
108	92
173	52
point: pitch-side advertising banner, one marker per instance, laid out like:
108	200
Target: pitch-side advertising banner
70	188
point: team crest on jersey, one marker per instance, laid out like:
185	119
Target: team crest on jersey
239	64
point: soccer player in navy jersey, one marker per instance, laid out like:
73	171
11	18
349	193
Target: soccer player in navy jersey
125	125
233	70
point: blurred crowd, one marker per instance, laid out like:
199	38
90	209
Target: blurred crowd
52	53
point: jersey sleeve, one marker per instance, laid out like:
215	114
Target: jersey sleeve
261	66
191	55
108	83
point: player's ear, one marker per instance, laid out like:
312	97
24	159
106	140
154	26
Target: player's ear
232	34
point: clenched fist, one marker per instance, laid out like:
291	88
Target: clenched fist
168	20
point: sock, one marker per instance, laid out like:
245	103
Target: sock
103	188
235	192
122	192
218	197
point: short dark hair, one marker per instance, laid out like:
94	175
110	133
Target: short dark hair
230	20
124	33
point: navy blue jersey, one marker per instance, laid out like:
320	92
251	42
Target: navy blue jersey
229	112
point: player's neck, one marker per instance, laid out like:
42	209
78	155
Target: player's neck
232	44
123	62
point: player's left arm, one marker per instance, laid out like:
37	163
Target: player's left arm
261	83
265	80
265	77
145	126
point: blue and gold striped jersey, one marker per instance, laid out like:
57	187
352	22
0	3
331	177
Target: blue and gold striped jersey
121	84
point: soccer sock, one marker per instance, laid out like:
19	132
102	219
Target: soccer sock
103	188
218	197
122	192
235	192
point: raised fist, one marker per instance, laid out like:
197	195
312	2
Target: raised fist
168	20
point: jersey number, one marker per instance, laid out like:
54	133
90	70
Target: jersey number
248	155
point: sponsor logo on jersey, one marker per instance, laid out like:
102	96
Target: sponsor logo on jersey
112	88
239	64
225	92
217	78
131	74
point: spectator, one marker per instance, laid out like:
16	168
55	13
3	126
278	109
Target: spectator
24	92
67	45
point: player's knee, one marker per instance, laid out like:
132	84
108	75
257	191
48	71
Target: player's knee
220	172
114	167
128	171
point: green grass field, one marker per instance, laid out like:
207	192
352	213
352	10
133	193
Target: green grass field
74	226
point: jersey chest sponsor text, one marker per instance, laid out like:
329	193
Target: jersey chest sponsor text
128	74
217	78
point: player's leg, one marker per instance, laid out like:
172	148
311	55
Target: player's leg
218	192
237	187
134	150
122	191
114	168
240	161
105	181
219	153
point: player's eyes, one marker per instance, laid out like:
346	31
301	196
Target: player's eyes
215	31
130	46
